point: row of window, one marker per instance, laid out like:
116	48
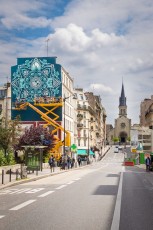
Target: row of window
66	81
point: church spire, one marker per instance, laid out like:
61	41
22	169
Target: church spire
122	100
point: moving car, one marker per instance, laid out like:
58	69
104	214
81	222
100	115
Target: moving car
116	150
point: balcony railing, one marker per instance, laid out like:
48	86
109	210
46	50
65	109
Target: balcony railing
79	125
79	116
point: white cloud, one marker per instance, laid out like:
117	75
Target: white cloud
100	88
18	14
97	42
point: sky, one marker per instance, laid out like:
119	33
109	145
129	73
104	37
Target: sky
100	43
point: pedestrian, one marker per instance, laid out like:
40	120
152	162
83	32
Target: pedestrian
51	163
148	163
72	162
68	162
79	161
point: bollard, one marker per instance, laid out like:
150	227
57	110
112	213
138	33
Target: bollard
10	175
2	176
37	172
17	174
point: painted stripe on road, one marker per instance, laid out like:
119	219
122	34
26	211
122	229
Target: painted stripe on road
20	191
62	186
22	205
46	193
35	190
1	217
116	217
71	182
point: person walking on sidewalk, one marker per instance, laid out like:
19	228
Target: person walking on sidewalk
148	163
51	163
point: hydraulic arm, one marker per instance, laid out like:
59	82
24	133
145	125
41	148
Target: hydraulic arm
49	121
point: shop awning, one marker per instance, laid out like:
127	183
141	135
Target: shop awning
91	153
84	152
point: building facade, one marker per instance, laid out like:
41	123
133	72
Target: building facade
144	108
42	78
5	102
91	122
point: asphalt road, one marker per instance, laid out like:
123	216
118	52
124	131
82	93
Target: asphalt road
102	196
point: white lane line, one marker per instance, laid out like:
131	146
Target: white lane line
1	217
35	190
22	205
116	217
21	191
77	179
46	193
71	182
62	186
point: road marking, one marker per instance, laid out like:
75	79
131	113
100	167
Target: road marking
71	182
20	191
116	217
22	205
77	179
1	217
62	186
46	193
35	190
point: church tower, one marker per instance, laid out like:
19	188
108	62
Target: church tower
122	123
122	103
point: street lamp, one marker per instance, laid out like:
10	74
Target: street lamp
47	45
64	99
89	121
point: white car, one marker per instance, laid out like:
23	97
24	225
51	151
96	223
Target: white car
116	150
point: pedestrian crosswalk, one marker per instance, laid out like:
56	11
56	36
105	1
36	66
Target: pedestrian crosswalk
19	191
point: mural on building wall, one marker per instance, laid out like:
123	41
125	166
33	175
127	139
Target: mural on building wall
32	78
35	78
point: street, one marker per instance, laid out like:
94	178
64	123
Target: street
102	196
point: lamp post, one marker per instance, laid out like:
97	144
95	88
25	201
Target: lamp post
88	138
47	45
64	99
89	121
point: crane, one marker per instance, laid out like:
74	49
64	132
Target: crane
49	121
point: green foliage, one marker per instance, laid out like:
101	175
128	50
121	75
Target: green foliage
115	139
8	159
2	158
8	134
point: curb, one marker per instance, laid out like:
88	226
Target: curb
23	181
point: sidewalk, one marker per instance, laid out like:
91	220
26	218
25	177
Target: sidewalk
33	176
8	182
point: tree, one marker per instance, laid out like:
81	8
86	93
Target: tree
35	136
115	139
9	134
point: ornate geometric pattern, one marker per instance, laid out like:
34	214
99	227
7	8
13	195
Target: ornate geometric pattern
36	78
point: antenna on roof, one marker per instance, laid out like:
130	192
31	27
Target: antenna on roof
47	45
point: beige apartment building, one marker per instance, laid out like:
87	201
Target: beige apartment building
145	109
91	122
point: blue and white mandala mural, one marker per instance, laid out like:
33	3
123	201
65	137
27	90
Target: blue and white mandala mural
35	77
